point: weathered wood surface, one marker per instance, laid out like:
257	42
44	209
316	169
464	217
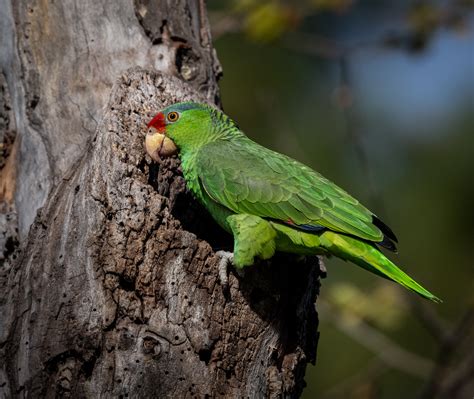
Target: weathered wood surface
115	289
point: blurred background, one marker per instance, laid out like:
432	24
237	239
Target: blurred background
378	96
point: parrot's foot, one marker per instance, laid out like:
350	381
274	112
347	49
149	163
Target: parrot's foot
225	258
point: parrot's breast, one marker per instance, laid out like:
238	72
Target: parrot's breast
218	212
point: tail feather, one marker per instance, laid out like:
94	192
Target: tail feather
371	259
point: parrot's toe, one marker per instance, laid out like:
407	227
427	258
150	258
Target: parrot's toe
322	266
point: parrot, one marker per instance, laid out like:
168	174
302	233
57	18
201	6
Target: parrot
268	201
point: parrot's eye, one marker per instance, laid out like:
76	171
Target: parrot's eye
172	116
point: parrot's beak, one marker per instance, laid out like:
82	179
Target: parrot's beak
158	145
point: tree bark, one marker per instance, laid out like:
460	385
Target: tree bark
60	60
115	290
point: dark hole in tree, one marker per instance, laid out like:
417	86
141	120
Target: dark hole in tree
205	355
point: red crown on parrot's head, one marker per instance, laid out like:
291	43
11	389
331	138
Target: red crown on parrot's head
158	122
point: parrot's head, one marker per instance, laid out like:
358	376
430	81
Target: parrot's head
179	127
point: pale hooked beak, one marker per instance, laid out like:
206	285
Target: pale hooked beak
159	146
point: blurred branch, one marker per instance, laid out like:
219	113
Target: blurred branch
444	377
428	317
223	23
383	347
373	370
459	378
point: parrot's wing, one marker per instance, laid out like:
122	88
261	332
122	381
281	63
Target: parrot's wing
248	178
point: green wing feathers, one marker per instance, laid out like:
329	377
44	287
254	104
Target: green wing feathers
248	178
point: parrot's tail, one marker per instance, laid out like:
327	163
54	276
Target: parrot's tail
371	259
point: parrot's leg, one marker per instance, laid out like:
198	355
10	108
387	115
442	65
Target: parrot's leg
253	236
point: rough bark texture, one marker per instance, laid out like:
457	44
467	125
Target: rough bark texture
8	151
115	290
60	60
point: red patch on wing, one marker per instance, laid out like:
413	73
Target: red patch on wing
289	221
158	122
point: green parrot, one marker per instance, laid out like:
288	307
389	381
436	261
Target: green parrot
266	200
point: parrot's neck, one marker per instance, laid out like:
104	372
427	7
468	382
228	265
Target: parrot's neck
219	128
194	142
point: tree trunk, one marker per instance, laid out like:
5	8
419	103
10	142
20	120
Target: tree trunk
115	290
